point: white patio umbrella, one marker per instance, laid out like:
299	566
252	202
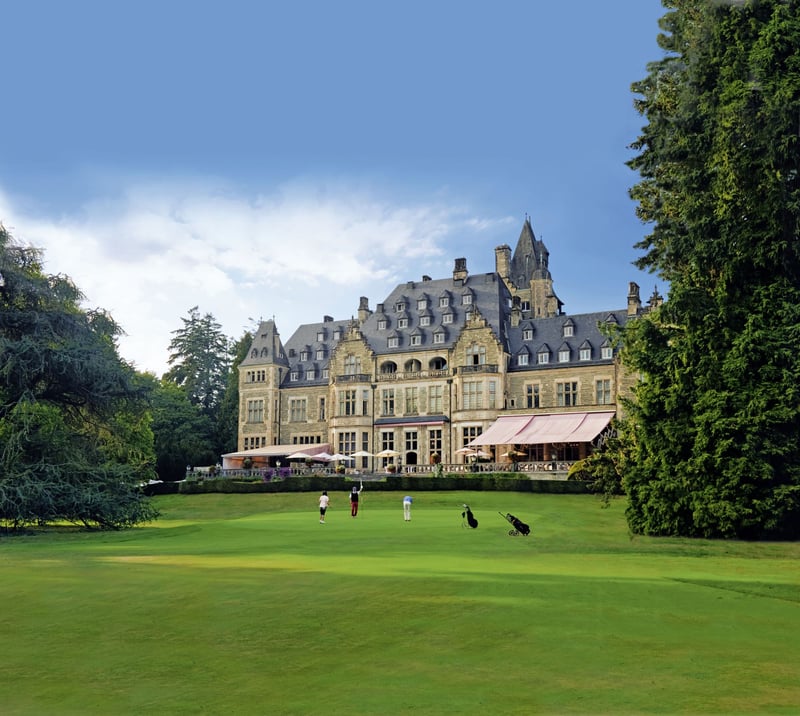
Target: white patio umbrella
361	453
339	456
299	456
387	453
467	451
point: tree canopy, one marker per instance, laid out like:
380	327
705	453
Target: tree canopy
714	437
75	438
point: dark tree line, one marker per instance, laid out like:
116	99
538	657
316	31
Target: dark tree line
712	442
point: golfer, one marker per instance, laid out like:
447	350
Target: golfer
407	500
324	501
354	493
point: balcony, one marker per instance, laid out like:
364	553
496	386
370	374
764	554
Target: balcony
353	378
481	368
413	375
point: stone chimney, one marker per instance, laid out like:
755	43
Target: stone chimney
460	270
502	260
363	309
634	302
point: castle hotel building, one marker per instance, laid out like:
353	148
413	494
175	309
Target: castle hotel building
440	369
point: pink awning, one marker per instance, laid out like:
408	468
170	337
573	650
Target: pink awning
540	429
502	430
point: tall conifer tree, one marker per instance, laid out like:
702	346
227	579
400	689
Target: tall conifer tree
714	442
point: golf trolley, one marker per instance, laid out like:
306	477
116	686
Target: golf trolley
469	517
520	528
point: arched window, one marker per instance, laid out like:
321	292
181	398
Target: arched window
413	366
388	367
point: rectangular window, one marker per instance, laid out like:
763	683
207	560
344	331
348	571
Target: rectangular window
435	441
492	394
382	324
425	321
603	391
255	411
393	342
444	301
522	359
473	395
387	440
320	354
322	408
469	433
543	358
402	323
466	299
411	401
567	394
568	331
447	318
387	401
532	396
606	352
297	410
422	304
347	402
347	443
527	335
365	402
412	443
435	393
563	355
585	354
416	340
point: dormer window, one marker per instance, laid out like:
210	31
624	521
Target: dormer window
444	301
563	354
422	304
447	318
585	351
294	375
522	358
527	334
393	342
568	329
304	356
337	334
311	374
416	339
543	355
606	351
438	337
466	299
320	354
320	336
382	324
402	323
400	306
424	320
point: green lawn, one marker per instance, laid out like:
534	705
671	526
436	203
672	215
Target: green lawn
245	604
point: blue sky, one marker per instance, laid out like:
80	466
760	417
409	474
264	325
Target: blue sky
262	159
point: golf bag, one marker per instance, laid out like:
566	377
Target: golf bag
469	517
520	528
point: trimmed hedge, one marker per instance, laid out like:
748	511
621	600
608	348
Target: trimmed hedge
487	482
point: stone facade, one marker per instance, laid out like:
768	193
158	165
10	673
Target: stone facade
434	365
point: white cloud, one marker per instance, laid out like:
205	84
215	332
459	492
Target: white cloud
303	251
